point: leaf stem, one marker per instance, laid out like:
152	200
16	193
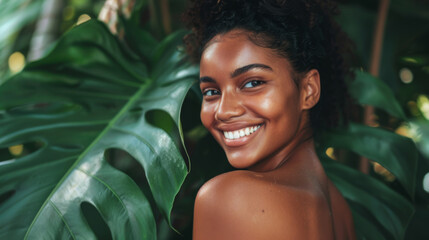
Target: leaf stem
377	47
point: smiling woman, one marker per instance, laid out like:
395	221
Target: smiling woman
271	75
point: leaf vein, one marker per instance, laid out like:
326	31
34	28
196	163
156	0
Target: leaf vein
62	218
105	184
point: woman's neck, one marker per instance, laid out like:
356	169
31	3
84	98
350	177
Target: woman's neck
303	141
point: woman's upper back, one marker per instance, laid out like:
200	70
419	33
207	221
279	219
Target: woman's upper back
296	201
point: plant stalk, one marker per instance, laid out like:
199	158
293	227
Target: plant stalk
166	18
377	46
111	11
47	28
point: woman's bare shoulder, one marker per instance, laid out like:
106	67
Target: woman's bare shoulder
248	205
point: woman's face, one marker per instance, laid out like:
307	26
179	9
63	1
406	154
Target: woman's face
251	104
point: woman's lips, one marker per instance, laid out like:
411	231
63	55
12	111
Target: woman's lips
239	137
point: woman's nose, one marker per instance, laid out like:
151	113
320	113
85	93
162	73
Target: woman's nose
229	107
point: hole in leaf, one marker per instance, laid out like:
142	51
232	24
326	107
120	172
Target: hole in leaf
95	221
127	164
5	154
19	150
5	196
190	114
163	120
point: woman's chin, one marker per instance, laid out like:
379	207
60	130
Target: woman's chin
240	161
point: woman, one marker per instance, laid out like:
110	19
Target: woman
271	75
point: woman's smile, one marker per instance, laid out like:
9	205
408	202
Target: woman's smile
240	136
251	104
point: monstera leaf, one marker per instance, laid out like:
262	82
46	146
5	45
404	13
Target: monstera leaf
369	90
89	95
372	201
378	211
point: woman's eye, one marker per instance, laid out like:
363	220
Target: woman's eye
211	92
253	83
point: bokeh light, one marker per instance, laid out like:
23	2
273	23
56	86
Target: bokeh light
330	153
388	176
423	105
16	62
16	150
426	182
406	75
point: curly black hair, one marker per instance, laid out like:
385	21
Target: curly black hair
303	31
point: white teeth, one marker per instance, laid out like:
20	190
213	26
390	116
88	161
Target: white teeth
241	132
247	131
236	134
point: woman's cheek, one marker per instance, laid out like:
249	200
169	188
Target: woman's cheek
207	114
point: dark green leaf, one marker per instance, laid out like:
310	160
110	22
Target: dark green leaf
388	208
369	90
89	95
396	153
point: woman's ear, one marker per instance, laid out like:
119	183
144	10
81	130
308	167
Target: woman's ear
310	89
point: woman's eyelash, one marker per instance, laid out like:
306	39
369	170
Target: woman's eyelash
249	84
210	92
253	83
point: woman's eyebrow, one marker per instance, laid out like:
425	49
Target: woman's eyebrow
238	72
247	68
207	79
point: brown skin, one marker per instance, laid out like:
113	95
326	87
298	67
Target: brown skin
284	193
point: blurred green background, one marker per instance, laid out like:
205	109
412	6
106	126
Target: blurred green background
28	28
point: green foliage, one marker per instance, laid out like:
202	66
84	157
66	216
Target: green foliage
379	212
93	95
14	15
88	96
390	210
368	90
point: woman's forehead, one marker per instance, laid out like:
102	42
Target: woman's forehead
235	49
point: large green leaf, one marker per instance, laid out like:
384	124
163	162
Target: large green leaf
396	153
90	95
369	90
371	199
379	212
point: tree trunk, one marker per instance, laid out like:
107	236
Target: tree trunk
110	12
377	46
47	28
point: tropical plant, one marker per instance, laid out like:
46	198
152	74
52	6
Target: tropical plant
379	212
14	15
89	95
96	103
